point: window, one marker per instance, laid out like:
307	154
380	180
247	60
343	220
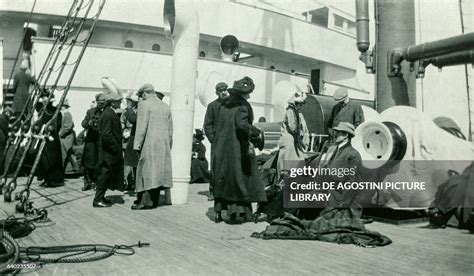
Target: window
338	21
351	27
156	47
128	44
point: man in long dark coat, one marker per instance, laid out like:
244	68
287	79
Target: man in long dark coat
210	122
345	110
110	166
237	182
21	88
50	167
90	154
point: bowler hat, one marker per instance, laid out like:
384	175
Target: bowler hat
242	86
340	94
345	127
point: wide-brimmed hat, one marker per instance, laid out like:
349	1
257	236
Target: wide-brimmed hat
132	95
242	86
199	134
345	127
340	94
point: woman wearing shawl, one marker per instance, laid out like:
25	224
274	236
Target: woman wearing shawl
294	132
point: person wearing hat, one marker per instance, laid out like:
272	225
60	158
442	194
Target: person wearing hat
21	88
237	183
345	110
50	167
343	156
199	163
68	136
90	154
153	141
110	163
294	137
210	122
128	120
4	121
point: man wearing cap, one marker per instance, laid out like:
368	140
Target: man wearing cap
341	156
345	110
110	165
67	135
210	122
153	141
21	88
237	183
90	155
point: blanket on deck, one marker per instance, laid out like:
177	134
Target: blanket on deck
343	226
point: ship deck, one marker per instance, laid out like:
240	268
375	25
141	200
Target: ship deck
183	240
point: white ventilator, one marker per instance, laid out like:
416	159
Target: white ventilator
405	133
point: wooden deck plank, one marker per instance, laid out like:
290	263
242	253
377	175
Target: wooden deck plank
185	241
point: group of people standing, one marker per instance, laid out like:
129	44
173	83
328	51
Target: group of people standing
137	143
235	181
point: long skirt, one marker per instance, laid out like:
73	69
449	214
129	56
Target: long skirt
199	171
131	156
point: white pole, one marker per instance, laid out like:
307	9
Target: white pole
185	39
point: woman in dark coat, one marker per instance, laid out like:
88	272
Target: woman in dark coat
90	154
234	168
199	164
50	167
128	120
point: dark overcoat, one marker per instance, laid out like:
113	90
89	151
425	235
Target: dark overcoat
131	156
350	112
234	166
110	149
199	164
210	119
90	155
345	156
50	167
